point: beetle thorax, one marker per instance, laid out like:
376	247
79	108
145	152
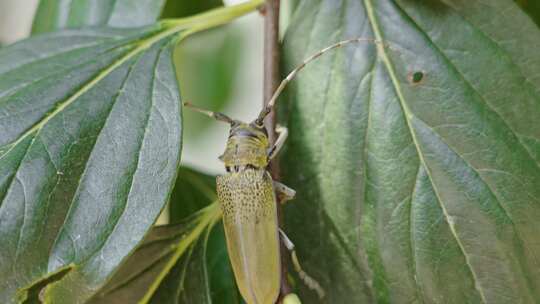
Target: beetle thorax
247	146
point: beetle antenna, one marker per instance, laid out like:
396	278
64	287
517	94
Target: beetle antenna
268	108
215	115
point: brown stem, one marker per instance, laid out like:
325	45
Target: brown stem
271	82
271	59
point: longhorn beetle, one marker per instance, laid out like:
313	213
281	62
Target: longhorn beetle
247	195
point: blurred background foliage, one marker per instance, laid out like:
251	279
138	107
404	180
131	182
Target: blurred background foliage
206	65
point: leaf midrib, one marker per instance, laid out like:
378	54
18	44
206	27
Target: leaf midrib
407	115
170	243
208	217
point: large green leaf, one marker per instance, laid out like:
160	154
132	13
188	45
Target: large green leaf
60	14
89	149
416	165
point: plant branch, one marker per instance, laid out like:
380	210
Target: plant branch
271	82
271	61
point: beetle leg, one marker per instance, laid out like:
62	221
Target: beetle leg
309	281
284	193
283	133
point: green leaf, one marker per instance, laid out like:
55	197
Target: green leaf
416	190
89	150
175	264
192	192
60	14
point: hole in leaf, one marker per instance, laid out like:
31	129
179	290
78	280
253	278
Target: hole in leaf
416	77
